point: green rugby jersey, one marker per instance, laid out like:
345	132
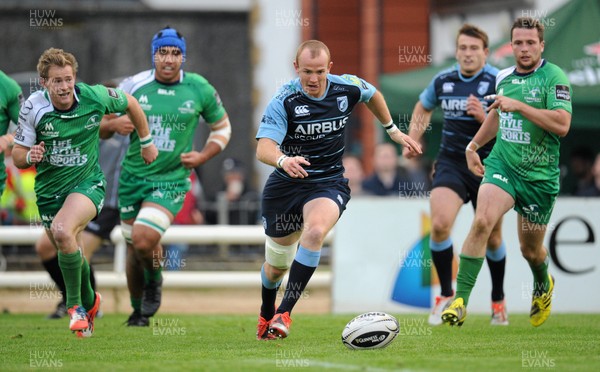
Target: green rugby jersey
11	98
531	151
71	137
173	112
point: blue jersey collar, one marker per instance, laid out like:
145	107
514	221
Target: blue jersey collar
311	97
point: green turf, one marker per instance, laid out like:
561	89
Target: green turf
227	343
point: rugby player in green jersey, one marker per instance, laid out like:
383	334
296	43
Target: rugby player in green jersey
531	112
58	132
11	99
149	198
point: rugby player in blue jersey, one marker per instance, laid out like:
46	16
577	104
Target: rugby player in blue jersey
301	134
459	91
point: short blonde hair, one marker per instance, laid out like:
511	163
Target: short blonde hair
55	57
315	47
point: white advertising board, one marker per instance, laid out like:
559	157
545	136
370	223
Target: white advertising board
378	263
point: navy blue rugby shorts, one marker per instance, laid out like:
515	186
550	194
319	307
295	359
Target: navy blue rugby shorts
283	201
456	176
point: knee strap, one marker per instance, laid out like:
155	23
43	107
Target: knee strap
154	218
279	256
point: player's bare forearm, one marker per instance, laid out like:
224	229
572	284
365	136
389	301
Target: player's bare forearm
112	124
25	157
419	121
554	121
267	151
19	154
137	116
379	108
488	129
195	159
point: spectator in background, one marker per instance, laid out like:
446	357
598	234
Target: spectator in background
386	179
582	161
237	204
353	171
242	199
593	189
419	169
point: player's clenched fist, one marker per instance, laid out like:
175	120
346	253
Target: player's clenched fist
36	153
149	153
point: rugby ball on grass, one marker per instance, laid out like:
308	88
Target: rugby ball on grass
374	330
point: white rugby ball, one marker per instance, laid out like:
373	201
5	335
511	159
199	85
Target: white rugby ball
373	330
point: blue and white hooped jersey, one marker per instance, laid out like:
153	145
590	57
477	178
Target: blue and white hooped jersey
450	90
314	127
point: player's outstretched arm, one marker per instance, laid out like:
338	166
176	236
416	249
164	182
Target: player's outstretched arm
220	134
269	153
420	121
379	108
138	118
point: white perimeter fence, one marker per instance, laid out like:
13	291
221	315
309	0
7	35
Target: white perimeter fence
214	234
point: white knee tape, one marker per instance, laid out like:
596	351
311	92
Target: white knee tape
126	231
154	218
279	256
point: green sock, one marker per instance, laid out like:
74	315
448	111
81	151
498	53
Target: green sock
87	292
468	269
541	283
152	274
136	303
70	266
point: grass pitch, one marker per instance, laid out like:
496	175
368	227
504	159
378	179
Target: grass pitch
223	343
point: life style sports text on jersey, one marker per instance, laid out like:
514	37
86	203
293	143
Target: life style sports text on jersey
533	149
71	137
314	128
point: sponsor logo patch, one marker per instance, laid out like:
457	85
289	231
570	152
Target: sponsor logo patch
93	122
342	103
112	93
483	87
563	92
301	110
